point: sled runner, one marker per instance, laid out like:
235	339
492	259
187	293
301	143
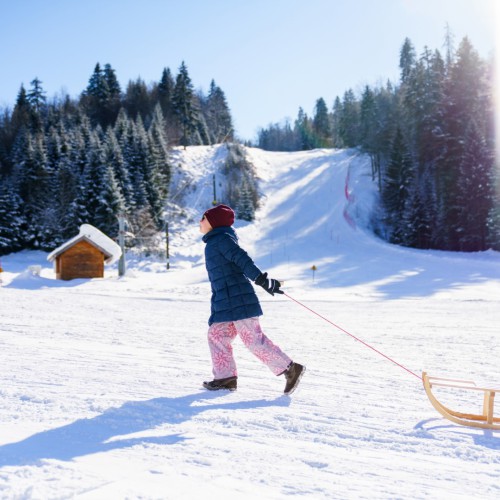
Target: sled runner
486	420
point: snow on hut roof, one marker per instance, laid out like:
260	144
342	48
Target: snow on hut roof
98	239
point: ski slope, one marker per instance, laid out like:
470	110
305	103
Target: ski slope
100	380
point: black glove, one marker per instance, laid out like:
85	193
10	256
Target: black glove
269	285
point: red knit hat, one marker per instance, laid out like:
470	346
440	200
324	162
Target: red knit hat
221	215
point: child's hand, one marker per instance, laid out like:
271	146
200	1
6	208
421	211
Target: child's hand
268	284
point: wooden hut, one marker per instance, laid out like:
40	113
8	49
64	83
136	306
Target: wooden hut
84	255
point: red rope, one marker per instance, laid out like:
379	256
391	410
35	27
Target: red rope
353	336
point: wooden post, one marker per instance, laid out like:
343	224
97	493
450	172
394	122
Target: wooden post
167	245
214	202
121	241
489	400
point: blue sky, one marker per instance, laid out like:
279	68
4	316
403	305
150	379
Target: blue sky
270	57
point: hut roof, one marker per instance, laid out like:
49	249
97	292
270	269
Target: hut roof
98	239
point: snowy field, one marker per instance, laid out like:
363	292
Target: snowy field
100	380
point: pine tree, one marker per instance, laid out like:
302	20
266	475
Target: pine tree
114	158
463	103
112	102
36	96
97	86
422	98
129	179
184	107
321	124
112	84
77	213
33	177
336	131
67	183
493	223
101	98
103	198
21	116
241	188
218	116
368	121
12	219
475	193
449	46
165	93
159	150
349	120
245	208
304	132
136	156
112	204
421	219
369	131
53	148
396	187
406	60
202	133
137	100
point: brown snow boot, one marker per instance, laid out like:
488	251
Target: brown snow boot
228	384
293	374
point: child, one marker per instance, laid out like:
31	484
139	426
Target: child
235	307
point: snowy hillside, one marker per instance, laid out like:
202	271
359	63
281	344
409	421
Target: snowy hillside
100	393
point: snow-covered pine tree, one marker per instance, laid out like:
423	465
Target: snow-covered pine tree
241	190
463	102
218	116
407	58
493	224
67	184
34	179
370	130
396	185
101	98
114	158
103	198
245	208
475	191
159	152
12	219
138	161
421	218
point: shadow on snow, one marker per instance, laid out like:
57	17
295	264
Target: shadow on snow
111	430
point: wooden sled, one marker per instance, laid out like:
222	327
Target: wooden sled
486	420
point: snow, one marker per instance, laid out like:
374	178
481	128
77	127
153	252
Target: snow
100	393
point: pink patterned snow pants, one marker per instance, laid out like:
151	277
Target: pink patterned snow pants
221	336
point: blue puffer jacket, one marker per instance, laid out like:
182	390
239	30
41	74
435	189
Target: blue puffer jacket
229	270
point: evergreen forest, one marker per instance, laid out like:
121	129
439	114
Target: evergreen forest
431	140
87	160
